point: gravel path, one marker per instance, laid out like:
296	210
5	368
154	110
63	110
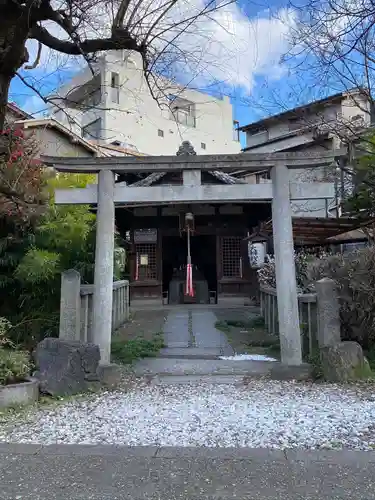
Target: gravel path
262	414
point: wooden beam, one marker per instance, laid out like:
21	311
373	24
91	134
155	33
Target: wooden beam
243	161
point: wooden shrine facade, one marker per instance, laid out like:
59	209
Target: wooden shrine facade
158	246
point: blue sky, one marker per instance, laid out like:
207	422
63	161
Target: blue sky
243	54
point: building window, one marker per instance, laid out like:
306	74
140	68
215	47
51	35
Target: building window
115	88
160	133
236	132
231	257
92	130
182	111
203	145
93	99
145	261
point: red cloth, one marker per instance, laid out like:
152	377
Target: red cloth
136	268
189	281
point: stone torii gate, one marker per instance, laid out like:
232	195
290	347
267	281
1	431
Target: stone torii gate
106	194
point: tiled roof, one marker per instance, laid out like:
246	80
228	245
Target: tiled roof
156	176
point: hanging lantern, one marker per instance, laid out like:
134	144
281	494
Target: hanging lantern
257	250
189	221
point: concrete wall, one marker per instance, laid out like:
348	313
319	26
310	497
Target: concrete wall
137	119
54	143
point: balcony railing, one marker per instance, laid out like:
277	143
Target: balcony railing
180	116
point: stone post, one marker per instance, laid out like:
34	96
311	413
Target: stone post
328	313
286	286
127	305
70	305
103	275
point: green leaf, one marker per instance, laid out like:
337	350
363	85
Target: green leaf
38	266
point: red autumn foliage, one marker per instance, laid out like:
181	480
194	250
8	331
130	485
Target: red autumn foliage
22	196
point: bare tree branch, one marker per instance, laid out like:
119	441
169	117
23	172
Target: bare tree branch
37	59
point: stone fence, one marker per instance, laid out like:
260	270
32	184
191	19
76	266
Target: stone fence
318	315
76	306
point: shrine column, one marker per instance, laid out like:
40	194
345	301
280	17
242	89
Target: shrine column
103	275
286	285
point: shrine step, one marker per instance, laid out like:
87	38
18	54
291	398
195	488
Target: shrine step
198	379
195	352
199	367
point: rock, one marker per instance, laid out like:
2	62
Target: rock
65	367
344	362
109	375
280	371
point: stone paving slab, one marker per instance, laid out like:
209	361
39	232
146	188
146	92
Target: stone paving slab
198	379
191	352
92	473
165	366
204	331
176	329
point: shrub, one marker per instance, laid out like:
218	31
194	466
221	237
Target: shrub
267	274
127	351
15	366
354	274
5	326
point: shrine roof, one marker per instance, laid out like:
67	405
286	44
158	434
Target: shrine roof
156	176
323	230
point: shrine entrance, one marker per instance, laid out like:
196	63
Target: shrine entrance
136	182
204	264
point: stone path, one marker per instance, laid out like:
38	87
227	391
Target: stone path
193	331
193	350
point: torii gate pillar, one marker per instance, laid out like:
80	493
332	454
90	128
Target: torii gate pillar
103	274
286	285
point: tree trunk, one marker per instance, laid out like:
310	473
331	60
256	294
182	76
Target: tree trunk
14	31
5	81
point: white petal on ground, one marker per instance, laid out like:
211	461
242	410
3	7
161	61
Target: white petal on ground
263	414
244	357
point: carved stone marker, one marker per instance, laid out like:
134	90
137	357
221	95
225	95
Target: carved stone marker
328	313
70	305
66	367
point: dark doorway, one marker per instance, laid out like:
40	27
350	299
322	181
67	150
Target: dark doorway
203	256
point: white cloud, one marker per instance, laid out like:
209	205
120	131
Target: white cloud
235	49
223	46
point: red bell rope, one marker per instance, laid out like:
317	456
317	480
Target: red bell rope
189	291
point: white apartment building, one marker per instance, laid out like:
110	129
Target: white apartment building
115	106
318	126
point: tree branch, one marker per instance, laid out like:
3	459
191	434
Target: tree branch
121	12
118	40
37	59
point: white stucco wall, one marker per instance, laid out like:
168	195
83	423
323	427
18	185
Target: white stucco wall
137	118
